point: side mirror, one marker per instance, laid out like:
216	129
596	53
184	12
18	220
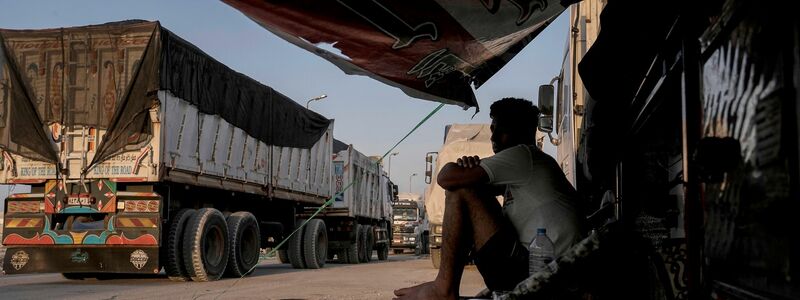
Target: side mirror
546	97
546	124
429	166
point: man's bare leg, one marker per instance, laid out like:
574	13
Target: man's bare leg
470	217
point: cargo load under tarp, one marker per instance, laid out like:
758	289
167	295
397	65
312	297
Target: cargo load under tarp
106	76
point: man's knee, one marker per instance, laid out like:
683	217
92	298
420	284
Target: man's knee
460	193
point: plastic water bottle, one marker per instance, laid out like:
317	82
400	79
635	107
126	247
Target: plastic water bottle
541	252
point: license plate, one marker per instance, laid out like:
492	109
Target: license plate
78	201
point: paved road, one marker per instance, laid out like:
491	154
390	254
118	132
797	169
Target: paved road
271	280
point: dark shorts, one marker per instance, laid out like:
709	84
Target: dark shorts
502	261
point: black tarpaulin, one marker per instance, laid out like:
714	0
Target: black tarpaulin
21	129
107	77
261	111
130	128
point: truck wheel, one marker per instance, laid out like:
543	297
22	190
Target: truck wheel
175	268
436	257
295	250
383	252
315	244
351	253
370	242
205	245
243	234
362	244
283	256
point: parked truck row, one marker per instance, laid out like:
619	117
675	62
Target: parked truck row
143	152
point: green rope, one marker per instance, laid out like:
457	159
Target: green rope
330	201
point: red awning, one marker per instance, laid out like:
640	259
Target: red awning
429	49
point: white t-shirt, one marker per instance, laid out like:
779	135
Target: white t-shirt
538	195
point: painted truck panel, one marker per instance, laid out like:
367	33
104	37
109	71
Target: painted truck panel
363	198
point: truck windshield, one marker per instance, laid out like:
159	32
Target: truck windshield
405	214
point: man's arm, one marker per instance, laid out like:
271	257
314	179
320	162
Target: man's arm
465	172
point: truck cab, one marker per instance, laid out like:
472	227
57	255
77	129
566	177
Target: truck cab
410	225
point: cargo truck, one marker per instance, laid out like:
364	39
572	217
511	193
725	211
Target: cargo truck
143	152
459	140
692	143
410	225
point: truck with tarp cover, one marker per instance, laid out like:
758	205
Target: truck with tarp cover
459	140
144	152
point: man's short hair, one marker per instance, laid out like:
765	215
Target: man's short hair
515	114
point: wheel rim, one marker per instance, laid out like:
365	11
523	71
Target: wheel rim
249	246
213	246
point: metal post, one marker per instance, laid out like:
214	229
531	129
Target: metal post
389	163
320	97
409	181
691	111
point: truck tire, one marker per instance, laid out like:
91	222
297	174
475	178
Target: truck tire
351	253
383	252
315	244
295	250
205	245
174	267
283	256
243	238
370	242
436	257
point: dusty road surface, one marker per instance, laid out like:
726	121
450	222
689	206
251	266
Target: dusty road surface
271	280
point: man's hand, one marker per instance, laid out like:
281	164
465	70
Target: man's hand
465	172
469	161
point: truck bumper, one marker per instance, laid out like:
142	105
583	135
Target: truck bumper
142	260
403	240
406	245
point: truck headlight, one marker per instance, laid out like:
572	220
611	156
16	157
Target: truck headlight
412	239
437	229
437	240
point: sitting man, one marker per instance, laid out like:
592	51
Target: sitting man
537	195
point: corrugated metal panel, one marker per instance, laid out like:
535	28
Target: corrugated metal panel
209	146
365	197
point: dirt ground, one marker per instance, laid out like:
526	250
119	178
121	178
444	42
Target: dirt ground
271	280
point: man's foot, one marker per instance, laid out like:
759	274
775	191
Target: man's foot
428	290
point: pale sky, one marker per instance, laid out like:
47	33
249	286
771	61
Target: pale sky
368	114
